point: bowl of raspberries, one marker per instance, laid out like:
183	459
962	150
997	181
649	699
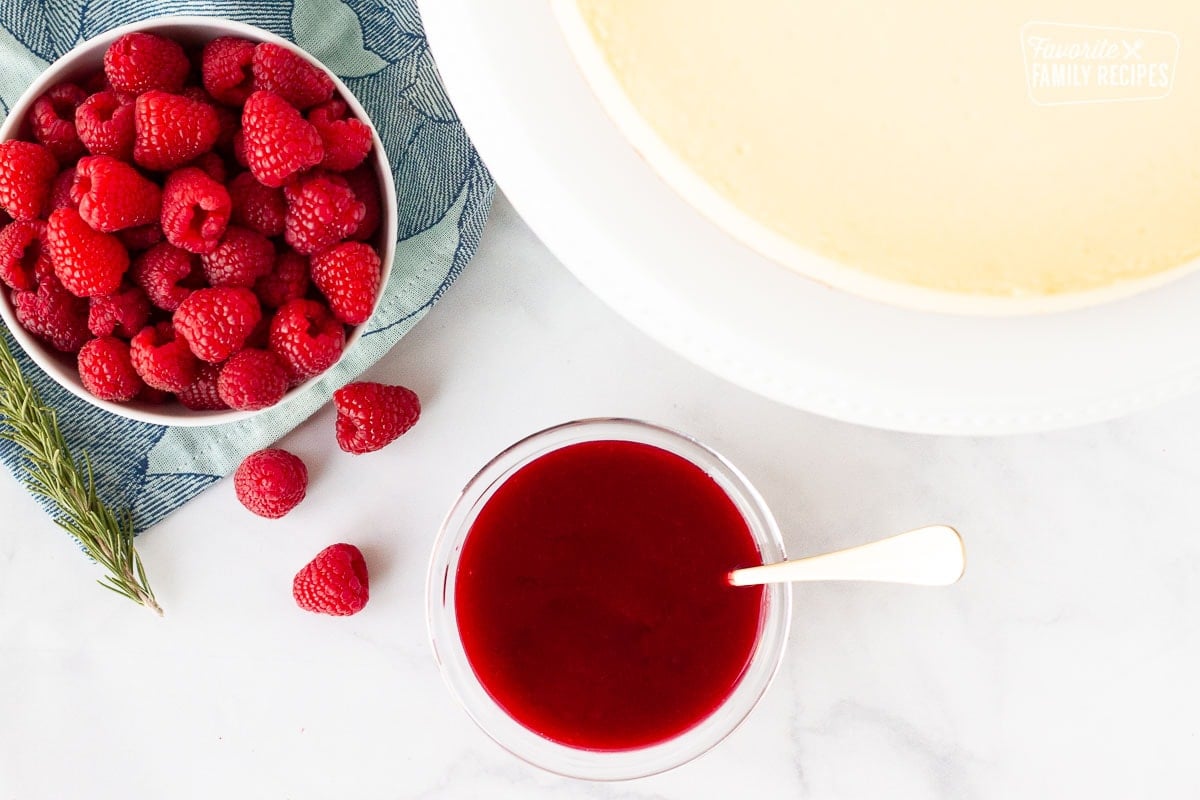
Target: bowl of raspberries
197	220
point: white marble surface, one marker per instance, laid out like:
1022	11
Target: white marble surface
1064	665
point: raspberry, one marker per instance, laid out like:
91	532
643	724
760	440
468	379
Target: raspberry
277	140
88	263
151	396
271	482
212	165
217	321
106	371
140	62
162	359
143	237
321	211
112	195
346	140
238	145
122	313
365	185
60	190
159	270
371	415
334	583
242	257
229	124
195	210
53	121
290	75
96	82
53	314
252	379
27	170
288	280
261	208
105	125
171	130
307	339
348	275
20	250
201	394
225	69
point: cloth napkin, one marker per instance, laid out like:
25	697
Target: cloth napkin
378	48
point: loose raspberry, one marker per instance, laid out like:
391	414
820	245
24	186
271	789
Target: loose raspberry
365	185
217	321
105	125
270	482
88	263
372	415
242	257
140	62
229	123
290	75
96	82
307	339
238	146
143	237
20	250
171	130
346	140
152	397
27	170
195	210
321	211
162	359
348	275
252	379
225	69
334	583
212	165
53	121
60	190
288	280
201	394
53	314
261	208
106	371
160	270
122	313
112	195
278	142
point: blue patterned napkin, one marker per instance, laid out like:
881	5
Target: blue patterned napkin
444	192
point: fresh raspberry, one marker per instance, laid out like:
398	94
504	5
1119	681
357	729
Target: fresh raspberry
27	170
106	371
195	210
225	69
287	281
159	272
229	124
371	415
348	275
96	82
20	250
242	257
278	142
290	75
217	321
346	140
105	125
140	62
252	379
321	211
171	130
261	208
162	359
152	397
334	583
122	313
307	339
270	482
53	314
112	195
238	146
60	190
201	394
53	121
143	237
212	165
89	263
365	185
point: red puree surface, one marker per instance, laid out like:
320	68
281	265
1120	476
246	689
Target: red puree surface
592	597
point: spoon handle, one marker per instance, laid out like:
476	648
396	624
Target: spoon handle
931	556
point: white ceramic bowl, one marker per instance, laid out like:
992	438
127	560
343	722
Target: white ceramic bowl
88	57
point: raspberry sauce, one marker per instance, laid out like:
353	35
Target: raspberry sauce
592	598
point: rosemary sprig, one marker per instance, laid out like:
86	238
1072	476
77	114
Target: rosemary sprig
51	471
